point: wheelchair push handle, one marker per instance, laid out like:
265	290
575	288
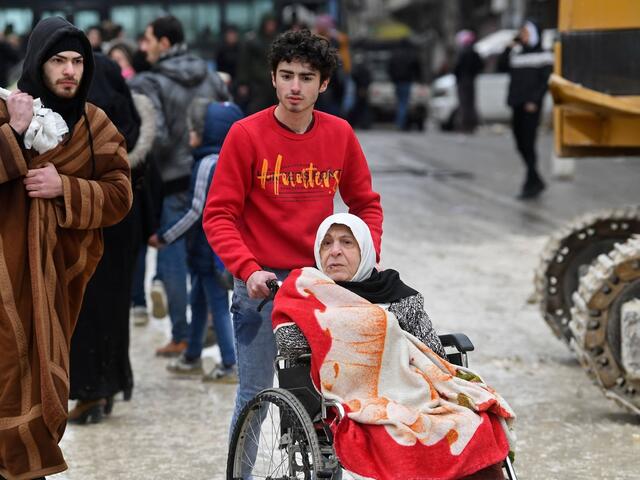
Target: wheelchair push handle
273	289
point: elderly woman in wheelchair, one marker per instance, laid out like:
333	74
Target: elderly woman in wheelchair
364	381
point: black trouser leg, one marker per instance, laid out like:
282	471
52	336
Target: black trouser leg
525	128
467	103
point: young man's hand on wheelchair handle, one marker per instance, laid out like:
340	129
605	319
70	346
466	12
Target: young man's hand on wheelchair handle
257	284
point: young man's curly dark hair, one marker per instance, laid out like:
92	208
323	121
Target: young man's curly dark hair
304	47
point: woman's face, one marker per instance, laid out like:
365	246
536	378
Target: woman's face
339	253
524	35
120	58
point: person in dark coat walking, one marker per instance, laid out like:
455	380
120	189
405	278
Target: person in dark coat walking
403	69
254	87
529	67
9	56
360	114
468	66
228	51
100	365
333	98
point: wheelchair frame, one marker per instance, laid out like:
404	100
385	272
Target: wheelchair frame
303	411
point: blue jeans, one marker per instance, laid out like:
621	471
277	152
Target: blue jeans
255	344
207	295
138	298
172	267
403	92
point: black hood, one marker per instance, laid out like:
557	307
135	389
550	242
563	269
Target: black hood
44	35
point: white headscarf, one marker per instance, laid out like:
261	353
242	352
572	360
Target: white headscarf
361	232
534	35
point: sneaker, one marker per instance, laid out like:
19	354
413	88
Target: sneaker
158	299
140	316
172	349
222	374
184	366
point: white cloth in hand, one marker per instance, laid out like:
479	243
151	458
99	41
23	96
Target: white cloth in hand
46	129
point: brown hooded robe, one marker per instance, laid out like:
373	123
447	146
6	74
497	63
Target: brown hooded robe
49	249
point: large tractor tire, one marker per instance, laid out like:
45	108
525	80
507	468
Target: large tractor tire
567	256
606	323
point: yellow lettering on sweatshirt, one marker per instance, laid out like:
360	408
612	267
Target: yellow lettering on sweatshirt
305	178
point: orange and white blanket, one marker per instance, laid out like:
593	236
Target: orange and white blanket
410	414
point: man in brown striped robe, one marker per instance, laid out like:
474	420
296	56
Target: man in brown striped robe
52	208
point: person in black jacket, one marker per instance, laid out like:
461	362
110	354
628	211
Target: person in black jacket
9	56
254	90
468	66
360	114
403	69
529	67
100	365
228	51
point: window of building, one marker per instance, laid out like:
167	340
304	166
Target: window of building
260	8
84	19
127	17
134	19
53	13
20	18
201	21
238	14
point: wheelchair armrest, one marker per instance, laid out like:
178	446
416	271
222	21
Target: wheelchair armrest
458	340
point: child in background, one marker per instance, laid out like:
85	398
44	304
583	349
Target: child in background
208	124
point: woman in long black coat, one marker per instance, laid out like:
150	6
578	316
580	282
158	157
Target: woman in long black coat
100	366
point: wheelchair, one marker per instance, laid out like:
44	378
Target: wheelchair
283	433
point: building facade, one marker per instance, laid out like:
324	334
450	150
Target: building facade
200	18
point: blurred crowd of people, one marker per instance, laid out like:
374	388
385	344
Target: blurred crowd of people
239	57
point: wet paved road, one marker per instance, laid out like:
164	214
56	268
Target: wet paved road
455	232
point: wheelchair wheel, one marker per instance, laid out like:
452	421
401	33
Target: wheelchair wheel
275	439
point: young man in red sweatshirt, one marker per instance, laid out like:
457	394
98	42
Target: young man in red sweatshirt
275	182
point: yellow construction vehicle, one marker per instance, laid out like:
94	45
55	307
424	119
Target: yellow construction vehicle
588	280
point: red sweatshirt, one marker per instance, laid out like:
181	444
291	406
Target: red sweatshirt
272	188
